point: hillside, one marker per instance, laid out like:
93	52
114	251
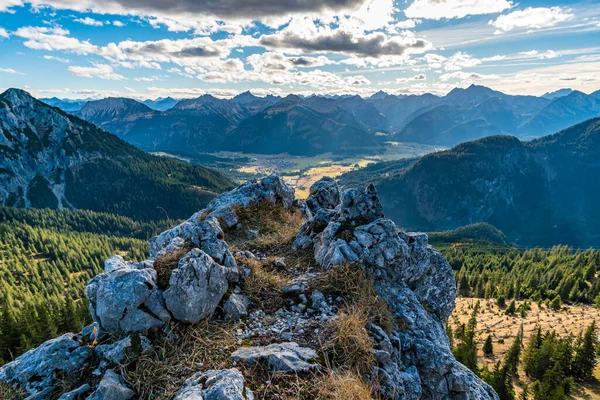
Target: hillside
52	159
538	193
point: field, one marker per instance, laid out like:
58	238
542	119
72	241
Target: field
301	172
570	319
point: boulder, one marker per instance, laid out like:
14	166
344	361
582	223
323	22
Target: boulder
224	384
280	357
324	194
236	307
112	387
360	204
123	349
38	369
126	299
196	287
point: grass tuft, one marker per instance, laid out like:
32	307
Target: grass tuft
8	392
165	264
264	287
357	292
351	348
346	386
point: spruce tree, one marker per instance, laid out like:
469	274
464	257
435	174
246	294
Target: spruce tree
488	348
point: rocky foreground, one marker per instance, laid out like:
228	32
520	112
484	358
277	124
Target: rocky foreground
354	308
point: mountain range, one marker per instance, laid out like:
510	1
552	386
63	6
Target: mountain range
51	159
541	192
318	124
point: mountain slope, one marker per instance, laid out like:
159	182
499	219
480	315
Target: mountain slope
292	126
161	104
542	192
52	159
67	105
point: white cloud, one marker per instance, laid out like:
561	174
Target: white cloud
4	34
59	59
102	71
6	5
119	24
10	71
531	18
54	39
89	21
441	9
467	77
459	61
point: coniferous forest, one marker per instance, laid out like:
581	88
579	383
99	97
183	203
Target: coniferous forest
46	259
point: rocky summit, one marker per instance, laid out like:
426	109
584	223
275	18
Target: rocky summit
263	296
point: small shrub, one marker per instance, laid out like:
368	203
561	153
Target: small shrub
10	393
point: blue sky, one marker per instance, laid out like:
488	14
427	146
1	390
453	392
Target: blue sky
153	48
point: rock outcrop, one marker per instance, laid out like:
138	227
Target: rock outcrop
412	358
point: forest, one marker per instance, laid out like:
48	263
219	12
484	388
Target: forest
559	274
550	364
46	260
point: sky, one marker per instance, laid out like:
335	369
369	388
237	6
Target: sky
186	48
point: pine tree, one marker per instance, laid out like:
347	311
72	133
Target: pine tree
488	349
586	356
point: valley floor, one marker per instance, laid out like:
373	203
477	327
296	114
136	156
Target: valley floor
491	320
301	172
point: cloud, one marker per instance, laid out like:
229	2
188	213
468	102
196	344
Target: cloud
4	34
6	5
531	18
448	9
89	21
118	24
465	76
224	9
339	41
102	71
54	39
459	61
59	59
10	71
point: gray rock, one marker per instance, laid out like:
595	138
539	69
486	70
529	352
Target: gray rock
225	384
206	233
126	299
317	300
414	360
360	205
280	357
196	287
77	394
312	227
252	233
324	193
236	307
279	262
112	387
122	350
37	369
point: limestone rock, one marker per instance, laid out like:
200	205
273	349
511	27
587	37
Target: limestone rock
123	349
112	387
281	357
236	307
126	299
224	384
414	360
37	369
324	193
77	394
196	287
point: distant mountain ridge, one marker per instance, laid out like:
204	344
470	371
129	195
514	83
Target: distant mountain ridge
209	124
542	192
50	159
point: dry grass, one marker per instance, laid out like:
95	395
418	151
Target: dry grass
264	287
346	386
355	286
8	392
350	348
165	264
160	373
